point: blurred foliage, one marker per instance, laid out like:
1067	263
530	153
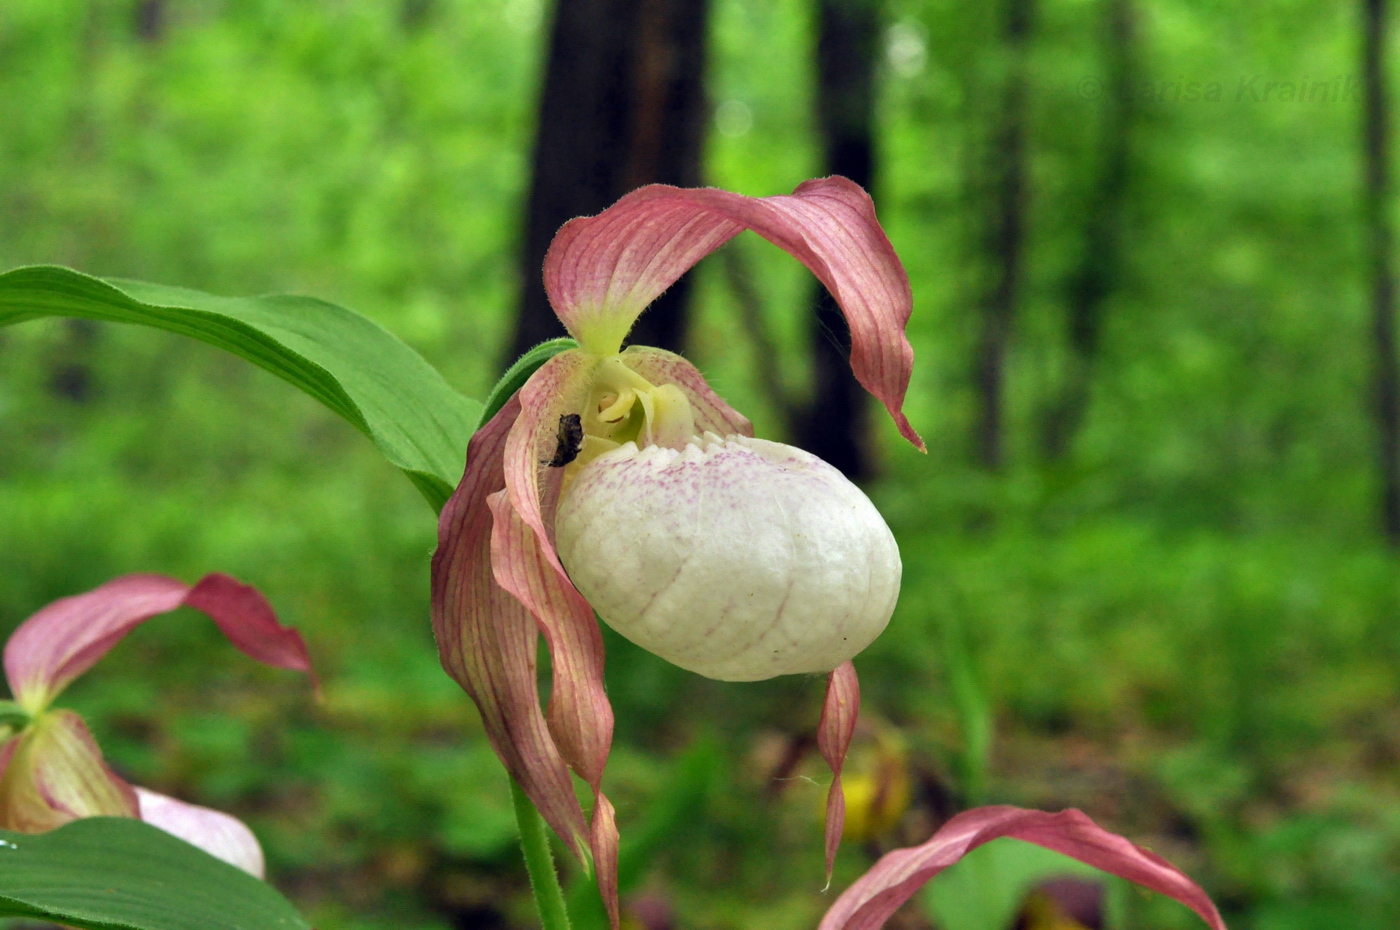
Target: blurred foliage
1186	628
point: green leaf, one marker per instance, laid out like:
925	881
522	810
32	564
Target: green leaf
346	361
115	873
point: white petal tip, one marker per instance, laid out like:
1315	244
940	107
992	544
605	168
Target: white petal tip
221	835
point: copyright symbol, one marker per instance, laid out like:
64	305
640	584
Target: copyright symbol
1089	89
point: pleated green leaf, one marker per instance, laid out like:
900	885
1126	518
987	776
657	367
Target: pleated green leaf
115	873
346	361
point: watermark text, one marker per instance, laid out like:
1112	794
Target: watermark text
1244	89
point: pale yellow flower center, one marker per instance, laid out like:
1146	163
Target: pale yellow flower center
624	407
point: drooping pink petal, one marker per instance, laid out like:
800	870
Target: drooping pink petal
560	387
602	271
894	879
64	639
487	639
834	732
56	775
525	564
247	619
579	714
605	848
711	412
219	834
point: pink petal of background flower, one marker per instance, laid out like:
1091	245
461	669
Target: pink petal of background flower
219	834
895	878
64	639
56	774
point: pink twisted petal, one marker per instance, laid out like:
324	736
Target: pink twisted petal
487	639
602	271
525	563
895	878
834	732
605	847
579	715
64	639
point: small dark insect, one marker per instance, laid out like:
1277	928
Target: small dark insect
570	441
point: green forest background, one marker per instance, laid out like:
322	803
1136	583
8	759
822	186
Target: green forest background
1185	624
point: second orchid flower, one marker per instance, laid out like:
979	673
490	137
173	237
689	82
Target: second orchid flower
51	770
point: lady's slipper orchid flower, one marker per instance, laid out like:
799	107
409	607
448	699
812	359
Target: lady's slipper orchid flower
51	770
618	481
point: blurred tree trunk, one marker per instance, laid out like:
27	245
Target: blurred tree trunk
623	105
1101	264
414	15
70	373
1379	241
836	425
150	18
1006	239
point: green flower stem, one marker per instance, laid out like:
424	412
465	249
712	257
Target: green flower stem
539	862
12	716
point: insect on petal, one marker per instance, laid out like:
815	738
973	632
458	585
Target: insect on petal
525	564
67	637
487	639
895	878
602	271
558	389
834	732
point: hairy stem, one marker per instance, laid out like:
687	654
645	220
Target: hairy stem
539	862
